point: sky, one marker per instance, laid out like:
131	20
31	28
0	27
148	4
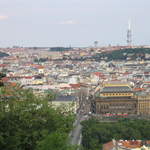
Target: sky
73	22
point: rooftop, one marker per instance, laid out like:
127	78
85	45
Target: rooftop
126	144
116	89
65	98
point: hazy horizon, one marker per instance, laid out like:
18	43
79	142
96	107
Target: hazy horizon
72	22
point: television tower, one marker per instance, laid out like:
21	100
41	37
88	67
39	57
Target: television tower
129	35
95	44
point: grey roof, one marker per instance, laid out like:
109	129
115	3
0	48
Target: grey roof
65	98
116	89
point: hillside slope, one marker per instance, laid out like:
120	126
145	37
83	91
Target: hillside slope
125	54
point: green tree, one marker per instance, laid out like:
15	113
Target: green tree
27	120
54	141
96	133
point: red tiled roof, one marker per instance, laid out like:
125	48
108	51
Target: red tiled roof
13	84
126	73
130	144
38	66
3	65
28	77
5	79
108	146
147	82
98	74
139	89
75	85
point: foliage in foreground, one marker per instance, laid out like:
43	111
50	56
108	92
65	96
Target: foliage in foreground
28	123
95	133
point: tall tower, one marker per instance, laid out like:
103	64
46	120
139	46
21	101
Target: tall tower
95	44
129	34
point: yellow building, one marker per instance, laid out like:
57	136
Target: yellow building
38	82
143	105
115	83
116	91
119	98
116	98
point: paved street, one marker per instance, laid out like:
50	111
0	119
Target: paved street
76	134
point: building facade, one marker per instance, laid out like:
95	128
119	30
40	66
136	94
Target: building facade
120	99
143	105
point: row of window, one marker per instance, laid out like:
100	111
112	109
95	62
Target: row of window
115	105
118	94
143	106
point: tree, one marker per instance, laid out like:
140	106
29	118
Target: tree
54	141
27	121
96	133
50	95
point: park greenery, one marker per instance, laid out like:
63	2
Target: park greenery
124	54
28	122
96	133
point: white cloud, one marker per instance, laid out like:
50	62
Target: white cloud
3	17
68	22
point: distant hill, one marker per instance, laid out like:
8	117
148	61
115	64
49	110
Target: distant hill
3	54
125	54
60	49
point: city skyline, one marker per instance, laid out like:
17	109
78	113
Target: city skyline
73	22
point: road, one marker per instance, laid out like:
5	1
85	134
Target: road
75	135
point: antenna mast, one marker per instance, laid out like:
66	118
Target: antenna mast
129	34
